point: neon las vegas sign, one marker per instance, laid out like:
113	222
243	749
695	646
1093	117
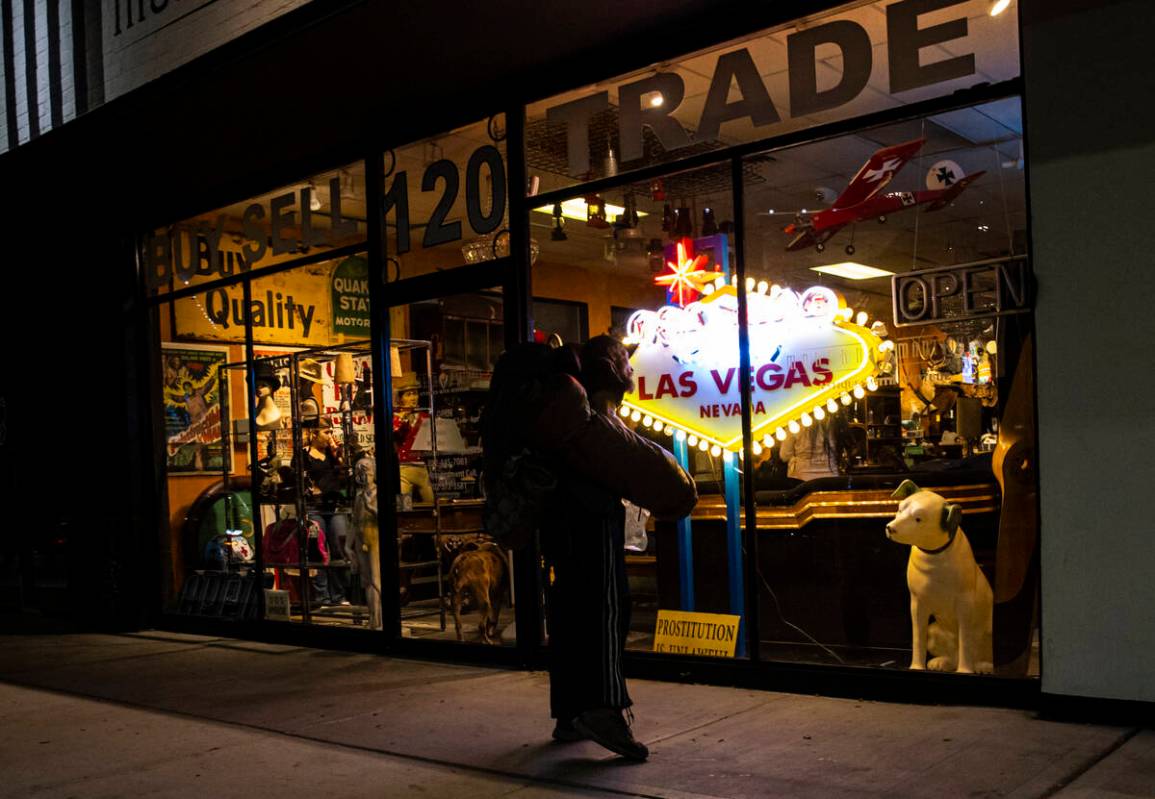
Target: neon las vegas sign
808	358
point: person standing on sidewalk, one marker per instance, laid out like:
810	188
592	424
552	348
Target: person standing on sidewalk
537	403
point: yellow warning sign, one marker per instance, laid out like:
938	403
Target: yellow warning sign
682	633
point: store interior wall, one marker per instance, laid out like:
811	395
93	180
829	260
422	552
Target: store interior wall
1089	144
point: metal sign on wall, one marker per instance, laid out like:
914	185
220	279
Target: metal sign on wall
143	39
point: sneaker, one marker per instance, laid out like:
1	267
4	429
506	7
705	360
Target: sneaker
565	732
606	727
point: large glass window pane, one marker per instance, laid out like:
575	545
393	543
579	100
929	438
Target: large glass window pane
302	218
655	266
315	445
209	541
860	59
938	202
302	531
446	200
455	583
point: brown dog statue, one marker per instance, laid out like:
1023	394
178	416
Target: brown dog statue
480	574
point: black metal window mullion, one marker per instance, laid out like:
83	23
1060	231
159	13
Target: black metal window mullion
254	451
750	510
388	476
520	275
519	328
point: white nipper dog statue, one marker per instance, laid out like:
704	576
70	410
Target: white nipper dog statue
945	582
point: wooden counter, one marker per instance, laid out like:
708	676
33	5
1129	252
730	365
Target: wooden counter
847	504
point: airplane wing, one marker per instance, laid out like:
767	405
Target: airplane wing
947	195
877	172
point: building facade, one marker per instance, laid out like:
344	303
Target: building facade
295	248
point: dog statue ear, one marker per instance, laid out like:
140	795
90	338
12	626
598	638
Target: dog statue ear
951	516
904	490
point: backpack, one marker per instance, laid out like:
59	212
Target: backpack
517	498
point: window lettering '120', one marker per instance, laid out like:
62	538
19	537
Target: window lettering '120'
444	175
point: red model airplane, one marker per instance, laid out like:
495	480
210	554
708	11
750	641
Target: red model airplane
862	199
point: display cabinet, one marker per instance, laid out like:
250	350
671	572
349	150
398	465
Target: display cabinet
313	424
877	426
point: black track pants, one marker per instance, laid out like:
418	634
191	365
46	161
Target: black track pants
588	609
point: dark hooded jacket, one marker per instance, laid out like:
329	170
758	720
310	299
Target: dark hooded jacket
541	406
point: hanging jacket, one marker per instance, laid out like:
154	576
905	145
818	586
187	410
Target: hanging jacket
282	540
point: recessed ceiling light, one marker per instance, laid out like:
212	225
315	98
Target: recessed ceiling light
575	208
852	270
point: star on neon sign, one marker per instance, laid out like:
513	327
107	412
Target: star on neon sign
687	275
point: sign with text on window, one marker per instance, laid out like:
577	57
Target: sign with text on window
818	70
807	359
311	306
709	634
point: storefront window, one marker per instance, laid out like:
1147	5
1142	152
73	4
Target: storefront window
857	215
322	213
814	71
866	371
446	200
210	527
651	268
455	584
295	524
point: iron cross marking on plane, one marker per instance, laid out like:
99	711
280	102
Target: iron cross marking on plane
864	199
878	174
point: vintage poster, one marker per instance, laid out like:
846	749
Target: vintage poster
192	409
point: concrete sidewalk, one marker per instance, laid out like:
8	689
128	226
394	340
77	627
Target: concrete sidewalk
169	714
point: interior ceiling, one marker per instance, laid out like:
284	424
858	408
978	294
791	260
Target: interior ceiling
986	220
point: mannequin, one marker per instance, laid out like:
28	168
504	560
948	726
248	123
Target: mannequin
310	375
326	476
268	414
407	422
363	544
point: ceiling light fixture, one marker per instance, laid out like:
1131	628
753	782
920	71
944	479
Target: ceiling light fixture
999	6
575	208
852	271
558	232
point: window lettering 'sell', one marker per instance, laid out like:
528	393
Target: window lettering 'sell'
187	251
